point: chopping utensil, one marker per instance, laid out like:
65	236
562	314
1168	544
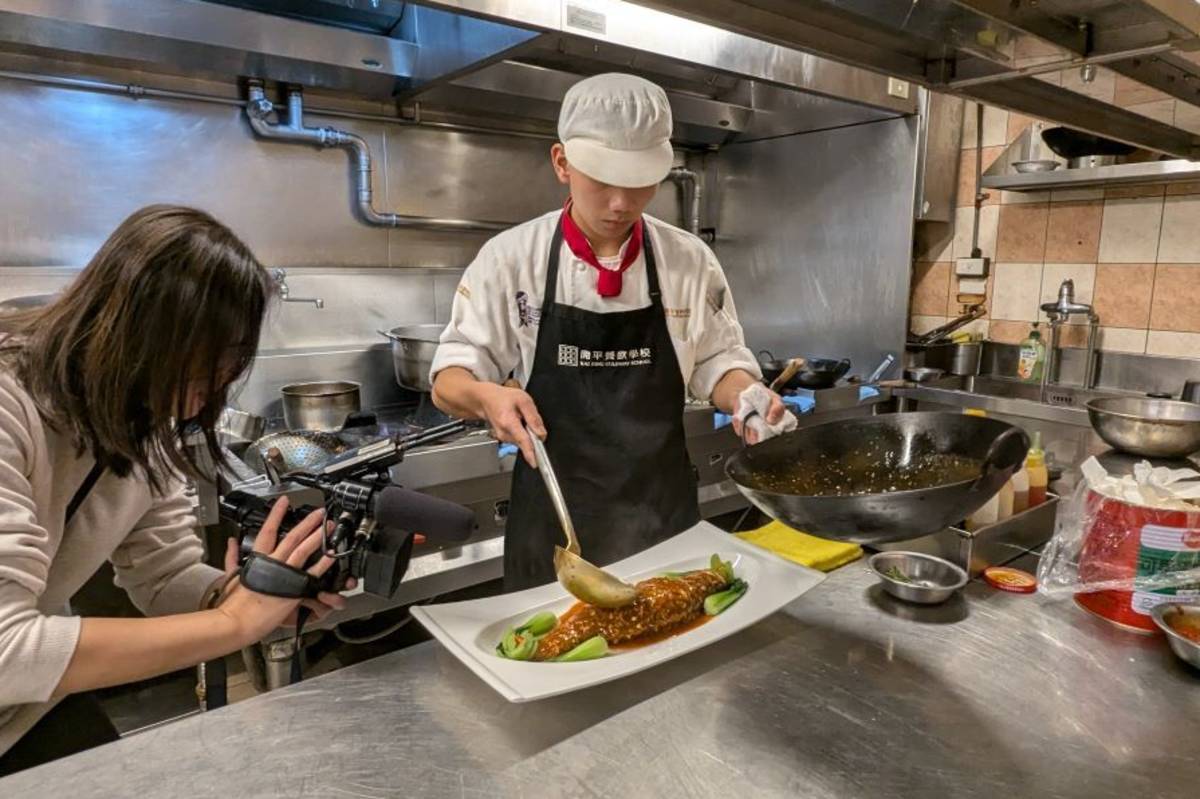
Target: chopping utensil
582	580
322	406
1152	428
836	480
413	348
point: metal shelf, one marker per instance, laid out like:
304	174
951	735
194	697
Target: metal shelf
1116	175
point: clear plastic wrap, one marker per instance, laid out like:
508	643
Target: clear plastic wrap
1137	536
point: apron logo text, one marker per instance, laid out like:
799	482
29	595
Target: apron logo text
570	355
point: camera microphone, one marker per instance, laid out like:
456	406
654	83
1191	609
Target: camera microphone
439	520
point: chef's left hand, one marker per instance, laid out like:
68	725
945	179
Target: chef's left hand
760	414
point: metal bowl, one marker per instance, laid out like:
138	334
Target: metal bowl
1188	651
1152	428
923	374
927	580
1040	165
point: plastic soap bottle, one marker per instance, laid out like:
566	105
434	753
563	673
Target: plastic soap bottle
1035	467
1032	357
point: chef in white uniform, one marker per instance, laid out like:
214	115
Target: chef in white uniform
607	318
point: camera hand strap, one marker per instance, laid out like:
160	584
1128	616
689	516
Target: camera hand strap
276	578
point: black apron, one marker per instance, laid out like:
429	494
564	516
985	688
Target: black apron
610	392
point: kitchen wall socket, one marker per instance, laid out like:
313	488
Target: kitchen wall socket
971	267
972	285
898	88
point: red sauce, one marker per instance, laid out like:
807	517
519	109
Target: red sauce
1187	626
662	635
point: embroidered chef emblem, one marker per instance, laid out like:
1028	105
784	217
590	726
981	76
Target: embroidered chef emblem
570	355
527	315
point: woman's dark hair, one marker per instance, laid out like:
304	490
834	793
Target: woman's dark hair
170	305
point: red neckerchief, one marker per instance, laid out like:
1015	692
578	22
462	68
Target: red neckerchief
609	282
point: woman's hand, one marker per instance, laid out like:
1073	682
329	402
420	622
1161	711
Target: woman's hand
257	614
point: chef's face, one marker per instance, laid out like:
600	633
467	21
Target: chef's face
605	211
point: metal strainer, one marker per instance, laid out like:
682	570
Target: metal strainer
300	449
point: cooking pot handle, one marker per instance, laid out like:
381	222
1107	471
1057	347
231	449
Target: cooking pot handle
767	353
993	453
385	334
844	363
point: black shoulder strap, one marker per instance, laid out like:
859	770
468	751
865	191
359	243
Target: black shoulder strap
85	488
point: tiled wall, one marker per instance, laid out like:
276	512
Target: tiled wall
1133	252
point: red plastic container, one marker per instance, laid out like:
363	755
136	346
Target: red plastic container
1128	541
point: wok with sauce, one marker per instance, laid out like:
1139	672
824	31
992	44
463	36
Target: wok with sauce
878	479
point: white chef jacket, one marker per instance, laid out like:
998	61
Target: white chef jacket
494	321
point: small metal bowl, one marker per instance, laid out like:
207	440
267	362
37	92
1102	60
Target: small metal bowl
923	374
1042	165
928	580
1188	651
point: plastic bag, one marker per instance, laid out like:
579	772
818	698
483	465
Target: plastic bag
1138	533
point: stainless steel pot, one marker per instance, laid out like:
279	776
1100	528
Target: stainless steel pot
413	348
1152	428
238	426
319	406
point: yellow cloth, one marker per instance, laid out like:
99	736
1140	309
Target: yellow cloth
802	548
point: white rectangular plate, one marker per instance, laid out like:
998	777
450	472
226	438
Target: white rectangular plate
471	630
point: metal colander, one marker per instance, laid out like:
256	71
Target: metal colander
300	449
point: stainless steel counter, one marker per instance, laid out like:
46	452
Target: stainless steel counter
845	694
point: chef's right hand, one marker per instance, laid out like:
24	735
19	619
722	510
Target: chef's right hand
509	411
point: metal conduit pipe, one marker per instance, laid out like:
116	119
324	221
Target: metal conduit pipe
689	181
137	91
258	111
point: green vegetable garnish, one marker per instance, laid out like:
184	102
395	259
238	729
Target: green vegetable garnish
894	573
539	625
722	567
718	603
592	648
516	646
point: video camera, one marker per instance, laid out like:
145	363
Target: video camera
370	521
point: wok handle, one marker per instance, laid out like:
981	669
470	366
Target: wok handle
993	453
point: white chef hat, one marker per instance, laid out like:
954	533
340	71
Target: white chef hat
616	129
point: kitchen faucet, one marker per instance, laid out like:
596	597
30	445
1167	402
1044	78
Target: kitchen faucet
280	278
1060	312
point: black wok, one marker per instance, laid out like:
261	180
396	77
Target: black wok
858	453
1069	143
816	373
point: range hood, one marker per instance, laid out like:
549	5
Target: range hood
973	48
507	58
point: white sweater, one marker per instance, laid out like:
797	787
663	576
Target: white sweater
149	539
